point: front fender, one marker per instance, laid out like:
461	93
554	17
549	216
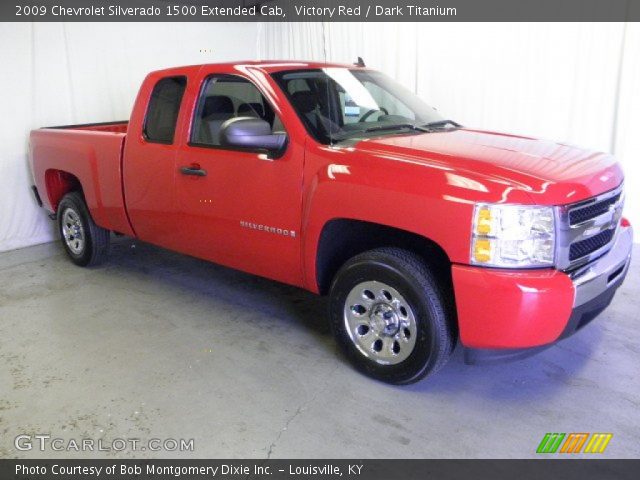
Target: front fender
426	198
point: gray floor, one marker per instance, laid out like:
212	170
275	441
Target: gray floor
158	345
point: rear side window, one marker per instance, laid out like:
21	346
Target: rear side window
164	106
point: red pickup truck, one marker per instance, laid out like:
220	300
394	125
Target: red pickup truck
336	179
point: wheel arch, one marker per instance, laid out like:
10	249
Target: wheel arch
342	238
58	183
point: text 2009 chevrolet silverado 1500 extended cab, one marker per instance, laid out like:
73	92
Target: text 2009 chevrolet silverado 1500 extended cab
336	179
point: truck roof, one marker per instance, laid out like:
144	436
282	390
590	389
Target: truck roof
268	66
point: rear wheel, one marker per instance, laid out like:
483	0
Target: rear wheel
389	316
85	242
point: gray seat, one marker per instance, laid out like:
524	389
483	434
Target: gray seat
217	109
251	110
307	103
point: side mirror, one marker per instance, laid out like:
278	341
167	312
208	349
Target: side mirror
249	132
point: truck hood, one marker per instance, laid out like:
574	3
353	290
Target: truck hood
551	173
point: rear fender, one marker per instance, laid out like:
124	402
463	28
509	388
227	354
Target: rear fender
89	161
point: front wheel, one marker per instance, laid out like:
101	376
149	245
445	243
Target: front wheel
85	242
389	317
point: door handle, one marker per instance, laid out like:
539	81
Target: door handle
193	169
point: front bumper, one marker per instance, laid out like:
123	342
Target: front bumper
507	315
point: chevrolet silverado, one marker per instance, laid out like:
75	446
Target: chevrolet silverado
336	179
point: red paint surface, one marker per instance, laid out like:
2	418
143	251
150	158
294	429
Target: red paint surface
511	309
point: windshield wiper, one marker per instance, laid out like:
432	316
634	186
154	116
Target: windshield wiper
397	126
442	123
380	128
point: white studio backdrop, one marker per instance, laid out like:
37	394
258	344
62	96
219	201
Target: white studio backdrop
571	82
67	73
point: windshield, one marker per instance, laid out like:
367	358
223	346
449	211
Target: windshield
338	103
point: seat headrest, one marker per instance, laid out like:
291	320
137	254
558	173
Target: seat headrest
251	109
305	101
217	104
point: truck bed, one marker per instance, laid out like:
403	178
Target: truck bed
89	155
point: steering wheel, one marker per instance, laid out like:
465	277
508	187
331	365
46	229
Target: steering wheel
367	114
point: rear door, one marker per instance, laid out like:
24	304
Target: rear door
236	206
149	160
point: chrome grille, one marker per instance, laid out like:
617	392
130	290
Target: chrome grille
580	214
585	247
586	229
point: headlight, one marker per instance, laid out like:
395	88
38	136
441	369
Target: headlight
512	236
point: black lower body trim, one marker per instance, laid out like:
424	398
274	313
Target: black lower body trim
486	356
582	315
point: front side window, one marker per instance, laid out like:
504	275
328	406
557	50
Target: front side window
164	106
339	103
224	97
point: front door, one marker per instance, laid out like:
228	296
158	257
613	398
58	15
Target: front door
238	207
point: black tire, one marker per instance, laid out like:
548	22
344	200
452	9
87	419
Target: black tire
411	277
95	247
